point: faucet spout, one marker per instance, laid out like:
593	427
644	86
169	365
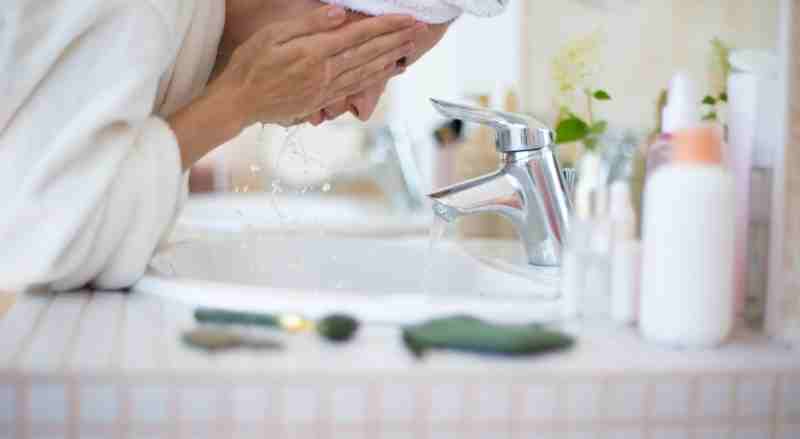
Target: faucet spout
528	189
491	193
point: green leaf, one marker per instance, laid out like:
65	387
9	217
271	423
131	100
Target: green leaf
723	97
590	143
599	127
602	95
571	129
564	112
709	100
710	116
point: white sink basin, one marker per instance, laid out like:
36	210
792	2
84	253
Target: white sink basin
337	215
376	279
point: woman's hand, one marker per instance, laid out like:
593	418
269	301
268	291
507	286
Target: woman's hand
363	104
295	68
290	70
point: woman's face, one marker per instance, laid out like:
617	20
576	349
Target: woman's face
246	17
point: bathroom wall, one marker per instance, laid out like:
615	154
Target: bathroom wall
791	223
645	41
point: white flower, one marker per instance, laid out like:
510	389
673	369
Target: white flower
576	64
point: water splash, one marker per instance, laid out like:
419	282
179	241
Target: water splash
293	148
435	234
290	144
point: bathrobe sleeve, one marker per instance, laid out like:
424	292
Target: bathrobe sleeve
90	179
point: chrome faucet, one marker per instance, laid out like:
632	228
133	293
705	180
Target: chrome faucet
529	188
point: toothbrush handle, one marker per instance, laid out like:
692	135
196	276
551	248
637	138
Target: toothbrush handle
213	315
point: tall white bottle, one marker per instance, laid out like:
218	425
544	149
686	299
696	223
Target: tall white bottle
687	296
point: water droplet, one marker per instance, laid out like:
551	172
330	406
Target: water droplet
255	169
326	187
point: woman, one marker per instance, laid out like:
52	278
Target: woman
108	102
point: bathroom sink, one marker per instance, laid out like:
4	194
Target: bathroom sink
332	214
380	280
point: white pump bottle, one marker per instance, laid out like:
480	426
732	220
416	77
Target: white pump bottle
688	247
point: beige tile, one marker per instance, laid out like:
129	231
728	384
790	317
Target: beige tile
634	69
791	259
792	234
6	302
792	159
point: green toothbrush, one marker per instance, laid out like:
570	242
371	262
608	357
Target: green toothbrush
334	327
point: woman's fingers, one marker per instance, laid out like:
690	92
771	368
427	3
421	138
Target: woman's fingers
358	33
374	48
373	80
355	76
336	109
316	119
320	20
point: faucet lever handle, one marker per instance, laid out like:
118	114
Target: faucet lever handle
515	132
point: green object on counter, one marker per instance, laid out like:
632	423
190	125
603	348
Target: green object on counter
471	334
215	339
335	327
223	316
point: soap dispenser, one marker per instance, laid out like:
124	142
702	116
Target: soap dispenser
687	292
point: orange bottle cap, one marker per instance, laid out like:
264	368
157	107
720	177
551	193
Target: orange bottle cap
701	144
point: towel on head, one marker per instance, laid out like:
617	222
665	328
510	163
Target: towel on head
429	11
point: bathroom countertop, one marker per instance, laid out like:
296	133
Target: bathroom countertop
118	347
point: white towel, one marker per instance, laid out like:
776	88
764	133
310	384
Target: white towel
90	173
430	11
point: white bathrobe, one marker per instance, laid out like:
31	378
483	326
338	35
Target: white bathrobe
90	173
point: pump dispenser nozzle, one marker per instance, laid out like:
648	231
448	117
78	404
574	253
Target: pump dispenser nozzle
683	104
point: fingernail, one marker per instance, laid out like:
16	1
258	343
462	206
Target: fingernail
336	12
421	27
